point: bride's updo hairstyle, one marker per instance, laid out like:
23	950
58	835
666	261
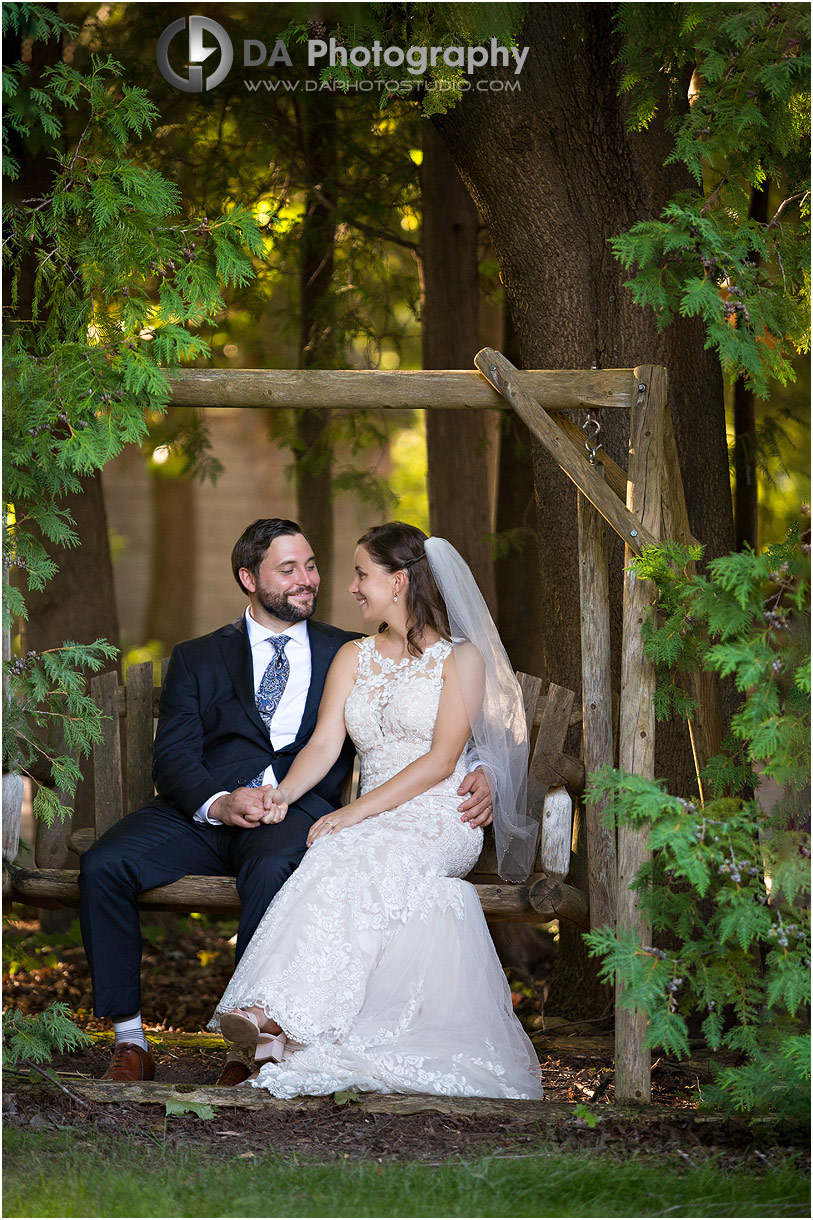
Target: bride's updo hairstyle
397	547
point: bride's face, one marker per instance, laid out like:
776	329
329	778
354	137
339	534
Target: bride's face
372	587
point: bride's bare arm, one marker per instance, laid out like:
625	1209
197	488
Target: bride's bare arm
313	762
452	730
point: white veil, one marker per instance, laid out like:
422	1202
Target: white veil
494	704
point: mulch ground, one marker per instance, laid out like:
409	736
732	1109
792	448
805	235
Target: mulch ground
186	966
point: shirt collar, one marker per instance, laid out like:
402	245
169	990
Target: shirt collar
257	634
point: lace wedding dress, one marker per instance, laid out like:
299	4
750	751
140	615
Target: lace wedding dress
374	957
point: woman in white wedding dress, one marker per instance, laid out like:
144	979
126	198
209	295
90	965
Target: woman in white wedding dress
373	967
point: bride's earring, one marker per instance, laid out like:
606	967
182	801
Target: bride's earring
395	597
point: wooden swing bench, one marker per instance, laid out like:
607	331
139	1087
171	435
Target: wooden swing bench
642	504
122	767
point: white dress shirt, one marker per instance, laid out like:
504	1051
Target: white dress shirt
288	715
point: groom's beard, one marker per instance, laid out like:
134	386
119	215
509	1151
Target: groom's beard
287	611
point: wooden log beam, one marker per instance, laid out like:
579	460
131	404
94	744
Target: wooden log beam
505	378
54	887
374	390
597	710
637	712
552	898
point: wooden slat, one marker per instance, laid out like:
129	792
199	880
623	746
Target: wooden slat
140	734
597	711
531	687
637	715
503	376
107	754
376	390
549	766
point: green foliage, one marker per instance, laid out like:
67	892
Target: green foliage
38	1039
109	288
438	88
748	124
737	958
746	617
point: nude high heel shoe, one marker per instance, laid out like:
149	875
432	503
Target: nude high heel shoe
243	1029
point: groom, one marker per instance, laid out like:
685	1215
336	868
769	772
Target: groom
236	708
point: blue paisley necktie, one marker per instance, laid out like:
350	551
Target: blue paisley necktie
269	692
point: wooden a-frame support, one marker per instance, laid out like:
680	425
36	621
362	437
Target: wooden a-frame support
642	505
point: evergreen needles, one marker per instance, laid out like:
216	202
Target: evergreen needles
727	888
109	288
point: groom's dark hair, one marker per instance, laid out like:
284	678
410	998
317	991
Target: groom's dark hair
250	547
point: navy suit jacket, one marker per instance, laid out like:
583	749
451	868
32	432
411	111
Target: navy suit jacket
210	736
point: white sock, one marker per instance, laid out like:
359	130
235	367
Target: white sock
130	1029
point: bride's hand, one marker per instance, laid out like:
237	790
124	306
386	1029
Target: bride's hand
332	822
276	805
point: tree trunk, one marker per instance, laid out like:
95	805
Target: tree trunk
516	570
578	178
456	441
317	342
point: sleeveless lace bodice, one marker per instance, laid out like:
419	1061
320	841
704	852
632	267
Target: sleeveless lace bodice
391	711
374	957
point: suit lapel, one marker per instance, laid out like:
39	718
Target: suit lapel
237	654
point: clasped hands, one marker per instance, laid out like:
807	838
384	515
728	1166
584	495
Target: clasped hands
250	807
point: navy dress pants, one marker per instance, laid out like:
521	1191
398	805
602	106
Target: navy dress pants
157	845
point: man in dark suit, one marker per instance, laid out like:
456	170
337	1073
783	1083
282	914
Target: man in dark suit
236	708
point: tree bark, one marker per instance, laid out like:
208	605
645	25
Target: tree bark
516	570
577	178
317	338
456	443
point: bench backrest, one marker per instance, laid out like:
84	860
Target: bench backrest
122	762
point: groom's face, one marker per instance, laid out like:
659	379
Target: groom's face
287	582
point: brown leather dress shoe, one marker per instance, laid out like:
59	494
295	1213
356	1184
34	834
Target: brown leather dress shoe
233	1073
130	1063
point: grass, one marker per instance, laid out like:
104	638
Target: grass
67	1174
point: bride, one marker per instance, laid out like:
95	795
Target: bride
373	967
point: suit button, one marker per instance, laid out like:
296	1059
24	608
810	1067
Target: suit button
242	780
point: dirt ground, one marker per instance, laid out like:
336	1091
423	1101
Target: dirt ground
186	965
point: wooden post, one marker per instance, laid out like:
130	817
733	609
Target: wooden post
597	710
637	715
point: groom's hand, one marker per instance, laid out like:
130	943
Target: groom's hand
242	808
477	810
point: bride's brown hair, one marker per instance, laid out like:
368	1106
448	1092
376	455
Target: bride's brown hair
398	547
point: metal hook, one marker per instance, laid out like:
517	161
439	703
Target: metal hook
592	427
